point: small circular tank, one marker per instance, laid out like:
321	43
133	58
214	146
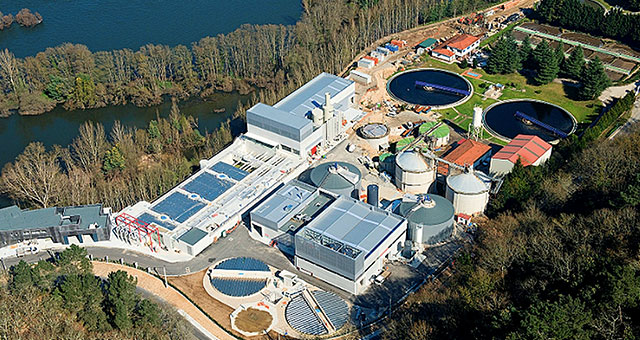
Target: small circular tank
430	218
337	177
414	174
376	134
468	193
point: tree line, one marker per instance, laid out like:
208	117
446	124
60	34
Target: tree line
280	58
578	15
558	258
63	299
117	168
547	64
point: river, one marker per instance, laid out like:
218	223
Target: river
115	24
60	127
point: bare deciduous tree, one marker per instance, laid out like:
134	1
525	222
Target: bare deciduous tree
35	176
89	147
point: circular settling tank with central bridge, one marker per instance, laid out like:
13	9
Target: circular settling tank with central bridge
510	118
430	87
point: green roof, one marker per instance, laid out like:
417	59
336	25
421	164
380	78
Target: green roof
193	236
427	43
441	132
383	157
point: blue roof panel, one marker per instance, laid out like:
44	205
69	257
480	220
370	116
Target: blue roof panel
229	170
208	186
178	207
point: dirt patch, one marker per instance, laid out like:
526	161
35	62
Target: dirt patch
253	320
614	76
542	28
623	64
583	38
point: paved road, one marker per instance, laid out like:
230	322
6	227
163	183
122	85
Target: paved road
631	122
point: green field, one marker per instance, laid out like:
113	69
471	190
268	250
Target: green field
516	87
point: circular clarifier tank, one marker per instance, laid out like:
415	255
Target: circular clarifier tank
510	118
430	87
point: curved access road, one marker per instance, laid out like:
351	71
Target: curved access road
155	286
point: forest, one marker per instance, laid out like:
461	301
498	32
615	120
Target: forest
558	258
116	168
576	15
67	301
279	58
543	64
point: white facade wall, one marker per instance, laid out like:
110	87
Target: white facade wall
504	166
366	63
196	248
468	204
500	166
414	182
374	265
300	148
360	77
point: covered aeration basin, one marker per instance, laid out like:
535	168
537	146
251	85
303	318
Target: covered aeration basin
337	177
414	174
430	218
468	193
376	134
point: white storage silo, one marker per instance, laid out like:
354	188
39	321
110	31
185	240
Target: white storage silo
477	117
414	174
376	134
430	218
468	193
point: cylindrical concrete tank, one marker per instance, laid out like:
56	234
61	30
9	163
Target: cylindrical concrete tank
430	218
376	134
373	197
468	193
414	174
477	117
337	177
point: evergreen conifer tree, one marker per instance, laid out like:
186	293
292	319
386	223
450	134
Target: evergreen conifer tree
546	62
594	80
526	53
573	66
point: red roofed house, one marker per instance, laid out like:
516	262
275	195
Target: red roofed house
531	150
468	152
457	47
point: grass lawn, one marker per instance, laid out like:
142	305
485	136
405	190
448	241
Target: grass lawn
517	87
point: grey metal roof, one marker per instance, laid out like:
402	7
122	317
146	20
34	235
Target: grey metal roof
280	115
311	94
13	218
284	202
193	236
355	224
322	177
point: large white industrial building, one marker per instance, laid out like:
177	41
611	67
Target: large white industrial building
333	237
210	203
302	122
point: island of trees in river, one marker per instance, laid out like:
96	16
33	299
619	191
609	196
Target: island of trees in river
24	18
279	58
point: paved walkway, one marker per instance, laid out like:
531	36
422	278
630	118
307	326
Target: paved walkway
154	285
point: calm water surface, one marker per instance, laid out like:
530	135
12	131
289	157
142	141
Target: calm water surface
116	24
